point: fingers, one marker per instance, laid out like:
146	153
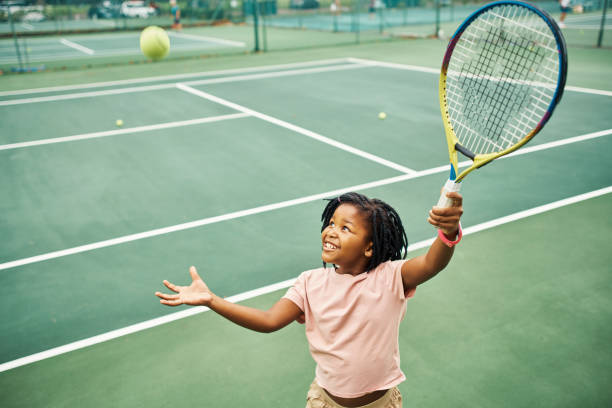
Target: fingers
447	226
172	286
442	216
456	197
170	300
194	274
456	209
447	219
166	296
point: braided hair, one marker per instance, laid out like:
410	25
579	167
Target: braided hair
389	241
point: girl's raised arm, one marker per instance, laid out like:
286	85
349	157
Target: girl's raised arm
198	294
422	268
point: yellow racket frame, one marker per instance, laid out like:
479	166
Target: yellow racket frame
452	140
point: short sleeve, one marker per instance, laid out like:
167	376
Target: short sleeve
297	293
398	282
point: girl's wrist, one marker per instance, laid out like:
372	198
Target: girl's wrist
451	242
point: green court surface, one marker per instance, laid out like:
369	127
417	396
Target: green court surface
510	318
224	164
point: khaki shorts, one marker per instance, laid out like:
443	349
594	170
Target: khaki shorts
318	398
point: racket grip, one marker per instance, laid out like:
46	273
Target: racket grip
449	187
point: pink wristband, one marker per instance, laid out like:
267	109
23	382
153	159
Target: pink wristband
448	242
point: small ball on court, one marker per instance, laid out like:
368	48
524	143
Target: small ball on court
382	115
119	122
154	42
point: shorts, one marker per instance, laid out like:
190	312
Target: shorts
566	9
318	398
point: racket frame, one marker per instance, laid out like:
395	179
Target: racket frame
480	160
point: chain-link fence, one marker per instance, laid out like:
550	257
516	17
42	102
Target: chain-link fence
36	34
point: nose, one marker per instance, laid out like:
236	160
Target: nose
330	231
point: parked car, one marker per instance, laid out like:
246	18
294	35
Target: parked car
303	4
33	17
138	9
106	9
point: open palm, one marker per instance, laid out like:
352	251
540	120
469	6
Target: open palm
196	294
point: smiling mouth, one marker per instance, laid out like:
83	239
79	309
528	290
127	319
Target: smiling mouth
329	246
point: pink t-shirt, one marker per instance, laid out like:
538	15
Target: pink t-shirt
352	326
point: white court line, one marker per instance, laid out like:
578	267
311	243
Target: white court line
77	47
359	61
212	220
116	132
266	208
249	77
176	77
277	286
208	39
372	63
558	143
296	129
594	26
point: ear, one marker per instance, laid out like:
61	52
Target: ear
369	251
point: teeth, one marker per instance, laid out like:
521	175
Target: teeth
329	246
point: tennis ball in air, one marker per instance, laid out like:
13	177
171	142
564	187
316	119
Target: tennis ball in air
119	122
154	42
382	115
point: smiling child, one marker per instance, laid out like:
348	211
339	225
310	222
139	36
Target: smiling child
352	309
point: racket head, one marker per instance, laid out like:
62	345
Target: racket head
502	76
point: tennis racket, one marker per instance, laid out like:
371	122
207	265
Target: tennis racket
502	76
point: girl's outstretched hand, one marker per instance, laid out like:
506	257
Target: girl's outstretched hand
196	294
447	219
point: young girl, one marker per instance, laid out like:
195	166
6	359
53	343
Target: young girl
353	308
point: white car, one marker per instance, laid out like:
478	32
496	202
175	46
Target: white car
33	17
136	9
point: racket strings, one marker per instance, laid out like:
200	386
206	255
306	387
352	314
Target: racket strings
501	78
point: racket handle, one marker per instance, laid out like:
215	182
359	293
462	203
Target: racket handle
449	187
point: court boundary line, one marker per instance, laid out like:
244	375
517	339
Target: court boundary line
148	324
77	47
296	129
174	77
370	62
265	75
207	39
138	129
354	60
274	206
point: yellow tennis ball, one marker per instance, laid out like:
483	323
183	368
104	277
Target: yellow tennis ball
382	115
154	42
119	122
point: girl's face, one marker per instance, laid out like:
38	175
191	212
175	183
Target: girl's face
346	240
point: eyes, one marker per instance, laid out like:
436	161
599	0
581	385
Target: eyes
344	228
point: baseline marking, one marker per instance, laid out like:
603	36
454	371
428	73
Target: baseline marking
261	209
175	77
208	39
371	63
172	85
359	61
296	129
77	47
277	286
123	131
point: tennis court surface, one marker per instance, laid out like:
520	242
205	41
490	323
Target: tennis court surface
225	165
